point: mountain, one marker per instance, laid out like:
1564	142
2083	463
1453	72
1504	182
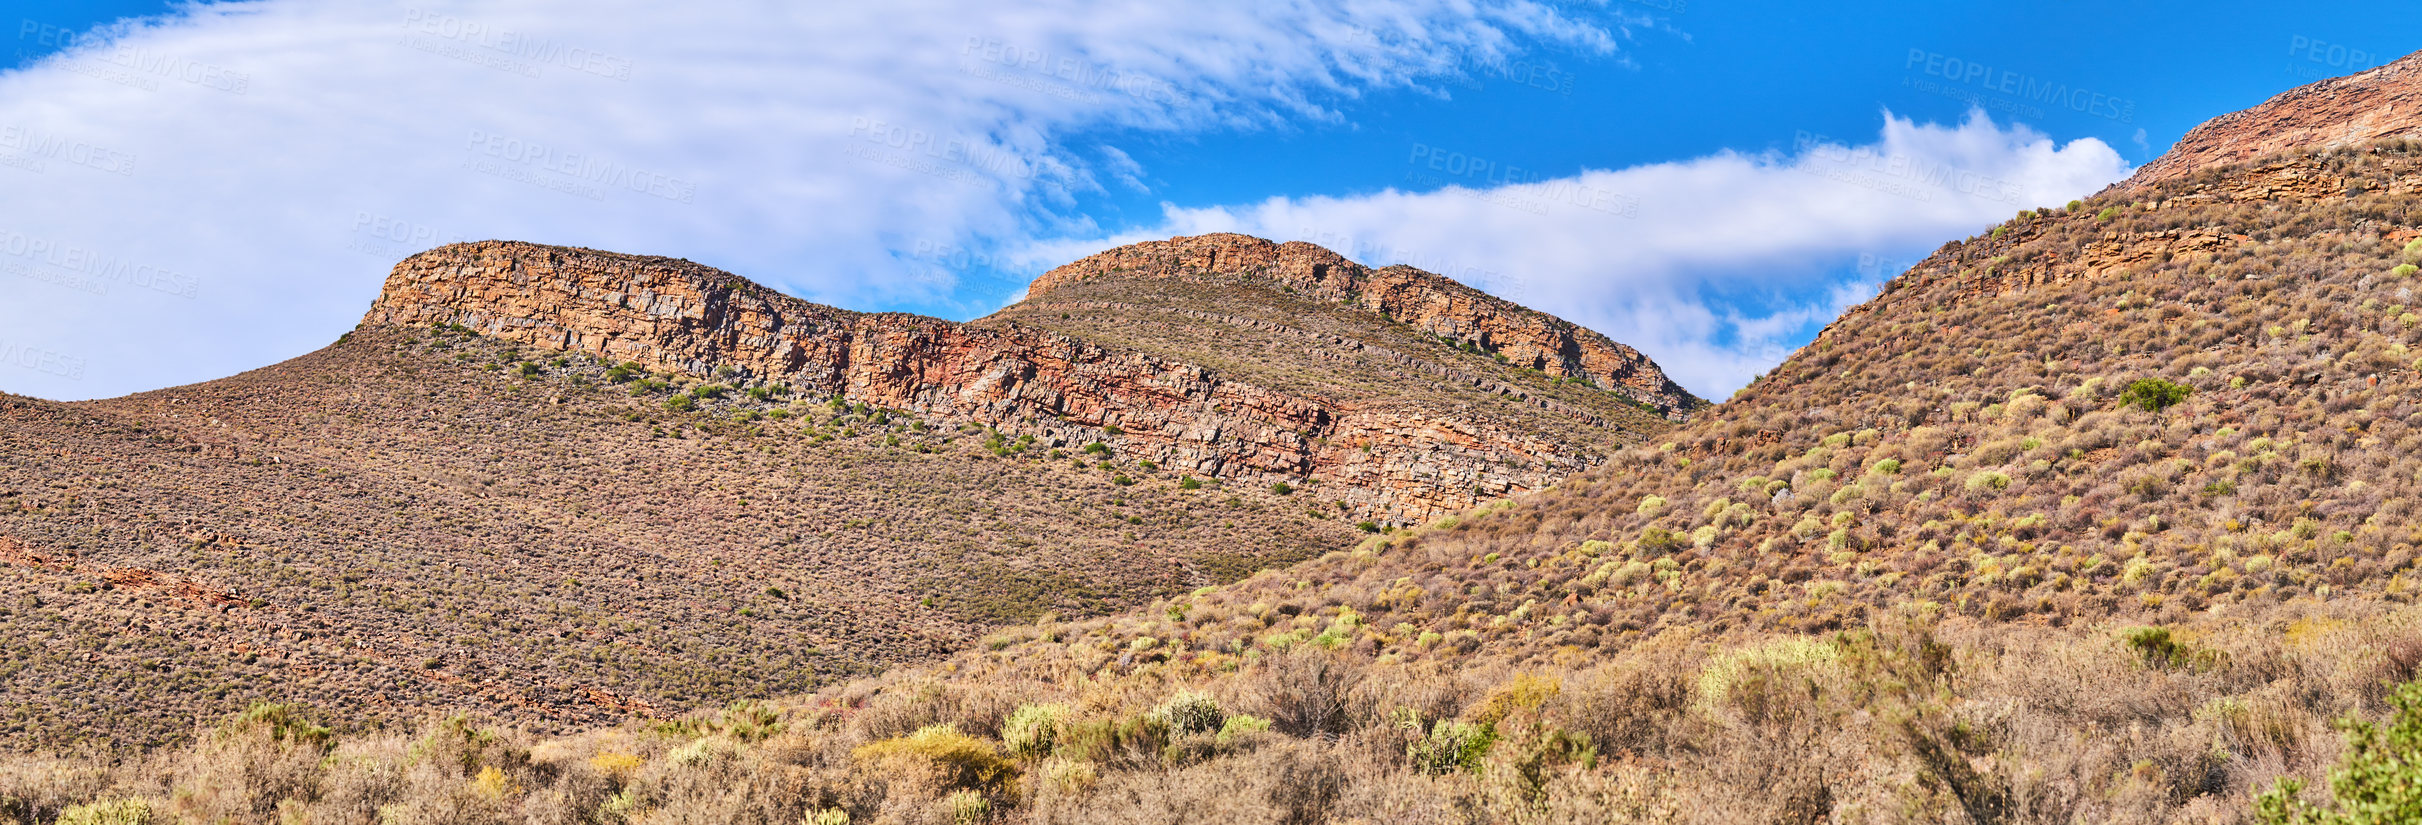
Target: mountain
2104	515
567	486
2368	107
1495	399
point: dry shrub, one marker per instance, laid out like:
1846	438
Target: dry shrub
1630	706
258	760
36	789
1307	693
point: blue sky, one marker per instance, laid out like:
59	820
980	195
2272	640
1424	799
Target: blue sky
202	190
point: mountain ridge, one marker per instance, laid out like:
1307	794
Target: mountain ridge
1384	459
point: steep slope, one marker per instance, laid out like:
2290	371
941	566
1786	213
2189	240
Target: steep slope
418	520
2099	517
564	486
1324	289
1497	429
2367	107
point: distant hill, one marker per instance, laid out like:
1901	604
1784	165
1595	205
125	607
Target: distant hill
568	486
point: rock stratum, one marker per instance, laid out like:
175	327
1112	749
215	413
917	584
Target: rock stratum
1388	461
2376	104
1428	302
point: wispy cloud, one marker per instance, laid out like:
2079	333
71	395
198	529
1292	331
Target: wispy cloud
225	187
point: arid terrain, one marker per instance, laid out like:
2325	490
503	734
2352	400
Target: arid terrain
2103	515
425	516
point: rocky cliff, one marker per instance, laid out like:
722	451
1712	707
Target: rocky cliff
2375	104
1384	462
1428	302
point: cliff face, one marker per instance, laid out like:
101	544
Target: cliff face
1428	302
2375	104
1386	463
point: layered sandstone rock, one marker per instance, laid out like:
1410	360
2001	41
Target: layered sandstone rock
1382	462
1428	302
2376	104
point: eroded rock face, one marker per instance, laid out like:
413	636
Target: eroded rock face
1383	463
1431	303
2374	104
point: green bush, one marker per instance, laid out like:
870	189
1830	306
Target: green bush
681	403
1032	730
108	812
2154	394
1659	541
1192	711
1281	488
963	761
2159	648
2107	213
285	722
1447	746
2379	783
1189	483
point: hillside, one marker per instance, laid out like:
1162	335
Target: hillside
567	530
1314	407
2101	516
406	521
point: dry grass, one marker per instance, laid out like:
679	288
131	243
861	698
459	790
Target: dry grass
1934	568
406	523
1914	719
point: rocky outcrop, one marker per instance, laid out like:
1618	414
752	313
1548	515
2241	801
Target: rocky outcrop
2015	259
2375	104
1384	462
1431	303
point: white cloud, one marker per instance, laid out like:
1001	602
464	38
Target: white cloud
226	187
1636	253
